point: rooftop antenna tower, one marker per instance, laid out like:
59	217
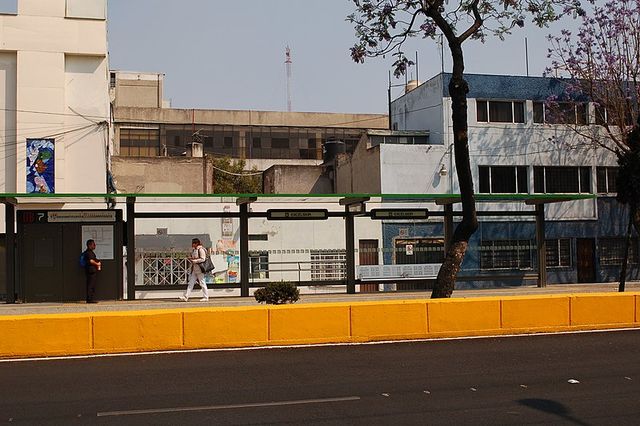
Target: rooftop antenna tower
288	63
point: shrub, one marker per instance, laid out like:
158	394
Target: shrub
278	293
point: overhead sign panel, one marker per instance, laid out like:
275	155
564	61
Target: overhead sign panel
399	213
300	214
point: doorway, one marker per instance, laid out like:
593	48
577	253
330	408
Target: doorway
368	256
586	248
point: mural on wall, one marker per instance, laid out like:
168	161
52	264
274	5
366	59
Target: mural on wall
40	166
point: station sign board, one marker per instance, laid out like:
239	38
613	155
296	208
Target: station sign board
297	214
66	216
399	214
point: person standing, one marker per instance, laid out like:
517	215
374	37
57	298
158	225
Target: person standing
198	255
91	270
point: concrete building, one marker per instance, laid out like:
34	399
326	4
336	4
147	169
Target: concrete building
148	131
519	147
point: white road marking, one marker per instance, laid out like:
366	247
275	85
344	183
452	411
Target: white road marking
227	407
319	345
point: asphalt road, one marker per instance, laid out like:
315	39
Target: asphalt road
589	378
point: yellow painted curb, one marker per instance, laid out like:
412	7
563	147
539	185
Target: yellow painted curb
196	328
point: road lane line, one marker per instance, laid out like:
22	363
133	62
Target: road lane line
227	407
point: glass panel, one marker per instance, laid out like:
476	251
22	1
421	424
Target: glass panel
483	171
518	112
612	180
585	180
94	9
538	112
503	180
9	7
601	180
538	180
561	180
523	180
581	114
481	109
500	112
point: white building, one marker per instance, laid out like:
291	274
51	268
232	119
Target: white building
54	85
519	146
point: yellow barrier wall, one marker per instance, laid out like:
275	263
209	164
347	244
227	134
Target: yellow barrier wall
226	327
113	332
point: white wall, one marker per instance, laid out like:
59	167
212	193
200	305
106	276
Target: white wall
422	109
412	169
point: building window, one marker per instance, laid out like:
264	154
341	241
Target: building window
607	180
8	7
259	264
561	180
328	265
558	253
506	254
560	113
611	251
112	79
139	142
419	250
94	9
503	179
500	111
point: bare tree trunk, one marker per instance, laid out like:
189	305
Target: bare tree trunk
458	89
627	243
636	220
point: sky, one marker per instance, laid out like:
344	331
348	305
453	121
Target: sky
230	54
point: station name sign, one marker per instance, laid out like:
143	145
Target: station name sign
68	216
300	214
399	213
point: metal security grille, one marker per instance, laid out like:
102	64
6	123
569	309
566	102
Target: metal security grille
165	268
328	264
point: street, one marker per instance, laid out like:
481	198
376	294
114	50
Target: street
585	378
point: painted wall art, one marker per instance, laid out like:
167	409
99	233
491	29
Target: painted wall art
40	166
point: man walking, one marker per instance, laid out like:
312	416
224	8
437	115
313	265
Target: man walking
91	270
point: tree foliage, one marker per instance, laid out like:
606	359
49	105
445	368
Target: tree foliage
602	64
382	27
230	177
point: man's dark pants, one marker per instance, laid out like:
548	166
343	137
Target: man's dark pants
91	286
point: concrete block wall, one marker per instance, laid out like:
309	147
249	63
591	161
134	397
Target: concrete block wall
210	328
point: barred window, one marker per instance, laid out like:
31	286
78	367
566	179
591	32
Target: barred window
506	254
422	250
611	250
164	268
328	264
558	253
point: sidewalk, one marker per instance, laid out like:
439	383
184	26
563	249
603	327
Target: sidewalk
137	305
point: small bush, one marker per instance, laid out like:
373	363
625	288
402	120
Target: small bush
278	293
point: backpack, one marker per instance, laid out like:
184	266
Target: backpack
83	260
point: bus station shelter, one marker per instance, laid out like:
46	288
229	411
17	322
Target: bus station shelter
45	233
